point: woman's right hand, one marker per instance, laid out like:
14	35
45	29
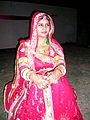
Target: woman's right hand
39	80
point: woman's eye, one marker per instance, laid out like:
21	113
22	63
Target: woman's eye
39	24
47	24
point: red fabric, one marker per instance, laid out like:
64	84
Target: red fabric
26	101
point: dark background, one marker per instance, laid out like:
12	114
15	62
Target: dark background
83	15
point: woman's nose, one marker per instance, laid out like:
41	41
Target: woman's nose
44	27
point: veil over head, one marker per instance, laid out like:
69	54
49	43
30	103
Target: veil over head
33	30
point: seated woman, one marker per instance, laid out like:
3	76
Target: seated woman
40	89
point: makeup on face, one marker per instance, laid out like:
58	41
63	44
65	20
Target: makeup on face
43	27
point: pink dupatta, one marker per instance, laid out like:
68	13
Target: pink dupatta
17	92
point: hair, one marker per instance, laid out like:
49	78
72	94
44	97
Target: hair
47	17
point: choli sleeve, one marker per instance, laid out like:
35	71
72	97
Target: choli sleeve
59	59
23	61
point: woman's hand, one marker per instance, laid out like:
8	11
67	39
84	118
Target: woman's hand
39	80
54	75
51	78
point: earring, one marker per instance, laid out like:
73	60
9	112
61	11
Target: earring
47	41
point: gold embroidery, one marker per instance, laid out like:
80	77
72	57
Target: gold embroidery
23	59
57	57
48	103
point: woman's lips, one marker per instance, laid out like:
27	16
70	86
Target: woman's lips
44	32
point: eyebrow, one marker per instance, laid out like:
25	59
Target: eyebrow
47	17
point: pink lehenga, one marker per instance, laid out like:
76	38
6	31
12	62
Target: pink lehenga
25	100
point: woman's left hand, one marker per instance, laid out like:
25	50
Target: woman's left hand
40	81
53	76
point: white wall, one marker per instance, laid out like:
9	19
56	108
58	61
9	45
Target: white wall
65	20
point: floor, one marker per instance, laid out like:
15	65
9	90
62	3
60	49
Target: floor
78	73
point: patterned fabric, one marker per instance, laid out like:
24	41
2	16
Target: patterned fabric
26	97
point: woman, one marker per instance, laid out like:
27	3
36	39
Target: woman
40	90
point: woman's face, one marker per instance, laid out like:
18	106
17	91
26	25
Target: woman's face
43	28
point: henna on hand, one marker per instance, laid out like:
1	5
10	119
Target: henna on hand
39	80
